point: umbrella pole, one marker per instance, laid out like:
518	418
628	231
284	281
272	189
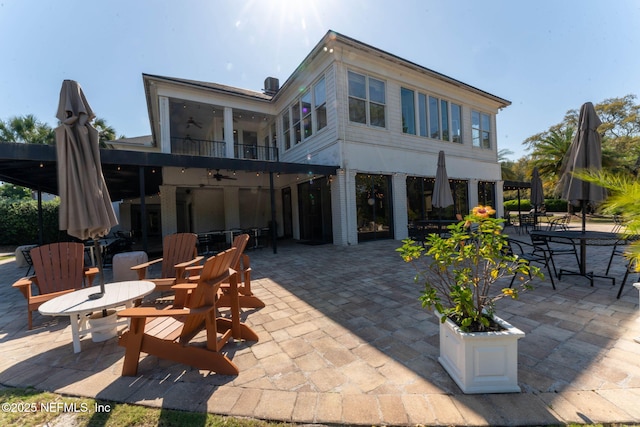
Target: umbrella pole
96	248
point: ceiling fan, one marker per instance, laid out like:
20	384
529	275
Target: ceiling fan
193	122
219	177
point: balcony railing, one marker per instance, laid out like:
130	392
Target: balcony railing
206	148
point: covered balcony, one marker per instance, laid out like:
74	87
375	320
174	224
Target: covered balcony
199	129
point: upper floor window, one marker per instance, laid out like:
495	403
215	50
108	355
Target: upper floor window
481	129
437	118
285	128
306	115
367	100
408	111
456	118
320	103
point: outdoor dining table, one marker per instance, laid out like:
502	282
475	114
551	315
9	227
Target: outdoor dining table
583	239
78	305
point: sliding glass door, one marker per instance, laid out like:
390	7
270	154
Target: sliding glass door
374	206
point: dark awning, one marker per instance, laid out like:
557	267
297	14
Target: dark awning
34	166
515	185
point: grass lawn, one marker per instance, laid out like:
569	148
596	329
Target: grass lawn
28	407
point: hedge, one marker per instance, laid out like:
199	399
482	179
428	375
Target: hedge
19	224
552	205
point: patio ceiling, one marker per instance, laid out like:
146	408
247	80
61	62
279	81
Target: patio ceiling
34	166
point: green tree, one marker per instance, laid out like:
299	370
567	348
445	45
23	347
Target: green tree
106	133
506	165
620	132
14	192
26	129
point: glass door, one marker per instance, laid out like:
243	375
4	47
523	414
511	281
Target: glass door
374	207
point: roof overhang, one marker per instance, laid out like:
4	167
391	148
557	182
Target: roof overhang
35	166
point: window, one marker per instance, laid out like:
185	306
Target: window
437	118
308	114
305	106
481	129
320	103
422	113
444	119
287	131
456	117
366	92
408	111
434	118
295	118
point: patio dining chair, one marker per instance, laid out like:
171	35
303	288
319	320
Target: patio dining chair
532	254
558	247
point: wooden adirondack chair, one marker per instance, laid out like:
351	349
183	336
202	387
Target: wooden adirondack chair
168	333
179	251
59	269
241	263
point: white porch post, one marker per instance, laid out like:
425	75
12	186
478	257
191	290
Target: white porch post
499	207
228	131
473	195
165	124
339	209
168	209
231	207
352	207
400	214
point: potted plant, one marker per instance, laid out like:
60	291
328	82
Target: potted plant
460	272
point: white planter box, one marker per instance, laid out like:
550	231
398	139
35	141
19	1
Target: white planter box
481	362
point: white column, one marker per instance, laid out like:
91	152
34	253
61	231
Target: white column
231	207
168	209
165	124
295	211
473	195
499	207
400	214
352	208
228	131
339	209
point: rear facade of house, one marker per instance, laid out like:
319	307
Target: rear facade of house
378	119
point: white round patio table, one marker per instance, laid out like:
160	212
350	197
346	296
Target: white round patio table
78	306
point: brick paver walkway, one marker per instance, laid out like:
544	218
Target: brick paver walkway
344	340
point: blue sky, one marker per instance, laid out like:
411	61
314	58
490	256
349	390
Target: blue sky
545	56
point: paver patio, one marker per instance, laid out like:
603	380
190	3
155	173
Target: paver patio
344	340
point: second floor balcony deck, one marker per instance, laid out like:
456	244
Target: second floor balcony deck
208	148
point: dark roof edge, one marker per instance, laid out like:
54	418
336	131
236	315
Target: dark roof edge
37	152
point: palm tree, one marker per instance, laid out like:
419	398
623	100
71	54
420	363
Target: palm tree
106	133
506	165
26	129
549	151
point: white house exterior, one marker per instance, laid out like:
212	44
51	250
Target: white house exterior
379	119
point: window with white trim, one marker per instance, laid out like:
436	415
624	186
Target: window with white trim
320	103
367	100
436	118
306	115
481	129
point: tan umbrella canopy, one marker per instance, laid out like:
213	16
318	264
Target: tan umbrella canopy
537	193
585	153
442	196
85	206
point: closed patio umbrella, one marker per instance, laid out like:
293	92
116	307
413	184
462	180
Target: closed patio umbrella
442	196
537	193
585	153
85	206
